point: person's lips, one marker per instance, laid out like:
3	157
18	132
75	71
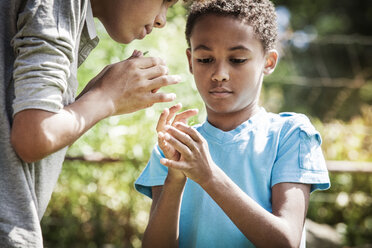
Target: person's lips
145	31
148	29
220	92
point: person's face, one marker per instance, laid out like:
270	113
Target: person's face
126	20
228	63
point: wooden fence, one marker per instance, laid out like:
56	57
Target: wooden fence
333	166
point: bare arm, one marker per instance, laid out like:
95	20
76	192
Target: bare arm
163	227
289	200
284	225
120	88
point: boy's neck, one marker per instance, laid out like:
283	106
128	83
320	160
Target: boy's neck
230	121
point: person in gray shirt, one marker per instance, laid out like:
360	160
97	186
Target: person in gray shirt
42	43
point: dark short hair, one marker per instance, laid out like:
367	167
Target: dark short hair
260	14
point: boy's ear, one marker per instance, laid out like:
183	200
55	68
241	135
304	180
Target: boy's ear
188	53
271	61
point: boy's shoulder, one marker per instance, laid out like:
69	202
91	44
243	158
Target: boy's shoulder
291	122
288	118
281	124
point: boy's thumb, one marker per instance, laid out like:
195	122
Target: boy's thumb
135	54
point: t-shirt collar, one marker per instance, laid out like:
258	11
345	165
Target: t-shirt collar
222	136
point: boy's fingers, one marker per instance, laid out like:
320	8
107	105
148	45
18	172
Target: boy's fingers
162	120
162	81
189	130
135	54
168	151
179	165
155	72
182	117
163	144
160	137
178	143
176	137
147	62
172	111
162	97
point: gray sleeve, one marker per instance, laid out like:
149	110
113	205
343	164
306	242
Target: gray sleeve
45	48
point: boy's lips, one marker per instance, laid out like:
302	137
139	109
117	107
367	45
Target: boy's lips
148	29
220	92
145	31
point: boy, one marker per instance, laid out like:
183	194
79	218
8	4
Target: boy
242	178
42	43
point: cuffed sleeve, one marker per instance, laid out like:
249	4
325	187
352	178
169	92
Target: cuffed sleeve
45	49
300	158
153	175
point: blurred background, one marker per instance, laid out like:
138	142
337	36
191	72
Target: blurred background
325	71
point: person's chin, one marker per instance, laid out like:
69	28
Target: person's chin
123	39
127	40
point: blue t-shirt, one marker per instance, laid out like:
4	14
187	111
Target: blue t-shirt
265	150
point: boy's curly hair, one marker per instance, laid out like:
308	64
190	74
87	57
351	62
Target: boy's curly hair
260	14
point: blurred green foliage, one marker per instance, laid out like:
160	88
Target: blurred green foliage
96	205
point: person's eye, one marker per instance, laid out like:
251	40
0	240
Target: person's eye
205	61
170	2
238	61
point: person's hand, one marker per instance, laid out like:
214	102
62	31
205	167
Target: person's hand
132	84
195	160
169	117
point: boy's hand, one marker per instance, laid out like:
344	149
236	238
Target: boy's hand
132	84
166	119
195	161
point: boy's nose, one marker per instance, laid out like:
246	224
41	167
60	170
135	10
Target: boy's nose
220	74
161	18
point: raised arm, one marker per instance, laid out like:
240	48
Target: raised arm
163	227
281	228
120	88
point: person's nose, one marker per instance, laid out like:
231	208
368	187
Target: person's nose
220	73
161	18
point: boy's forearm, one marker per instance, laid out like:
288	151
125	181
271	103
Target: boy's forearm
38	133
253	220
163	228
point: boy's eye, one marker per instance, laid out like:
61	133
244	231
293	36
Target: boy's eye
205	61
238	61
171	2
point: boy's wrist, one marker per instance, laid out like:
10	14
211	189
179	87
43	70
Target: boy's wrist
175	181
97	97
212	179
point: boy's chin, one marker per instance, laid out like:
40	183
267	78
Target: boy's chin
121	38
223	110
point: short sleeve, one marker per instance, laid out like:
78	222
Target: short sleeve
154	173
44	46
299	156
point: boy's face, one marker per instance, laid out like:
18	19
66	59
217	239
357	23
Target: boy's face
228	63
126	20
